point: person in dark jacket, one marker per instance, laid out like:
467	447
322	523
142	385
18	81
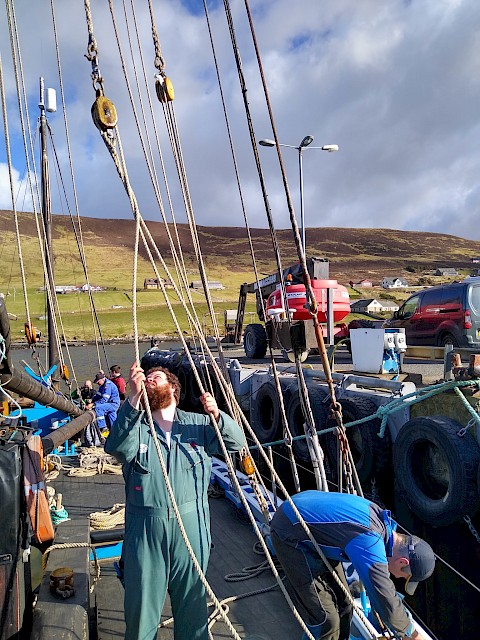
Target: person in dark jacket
347	528
155	558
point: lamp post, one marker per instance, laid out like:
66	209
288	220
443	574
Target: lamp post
306	142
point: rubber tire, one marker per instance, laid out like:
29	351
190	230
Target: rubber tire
216	388
461	455
295	419
266	418
371	454
184	374
255	341
447	338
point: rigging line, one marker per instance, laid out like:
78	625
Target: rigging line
150	165
79	235
20	86
159	150
170	109
10	177
250	242
300	251
309	418
79	241
23	117
226	3
151	173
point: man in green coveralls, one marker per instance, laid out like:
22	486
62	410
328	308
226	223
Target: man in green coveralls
155	556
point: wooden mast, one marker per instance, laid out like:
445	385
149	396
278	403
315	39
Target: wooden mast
53	356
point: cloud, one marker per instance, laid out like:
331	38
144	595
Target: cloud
396	86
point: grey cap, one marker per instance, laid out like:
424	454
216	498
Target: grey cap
422	562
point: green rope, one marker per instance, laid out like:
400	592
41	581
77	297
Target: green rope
58	515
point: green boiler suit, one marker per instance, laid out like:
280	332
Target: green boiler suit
156	560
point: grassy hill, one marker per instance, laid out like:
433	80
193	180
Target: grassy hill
354	254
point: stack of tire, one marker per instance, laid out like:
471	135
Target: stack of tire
371	454
437	469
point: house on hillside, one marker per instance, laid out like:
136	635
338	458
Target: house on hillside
90	287
197	284
154	283
363	284
475	260
372	306
365	305
388	305
447	271
394	283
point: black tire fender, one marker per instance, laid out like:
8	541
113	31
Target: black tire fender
320	409
184	374
266	417
436	469
255	341
371	454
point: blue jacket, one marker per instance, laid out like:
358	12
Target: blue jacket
349	528
107	393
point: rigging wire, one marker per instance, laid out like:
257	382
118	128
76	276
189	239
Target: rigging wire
261	301
78	233
23	113
351	474
310	421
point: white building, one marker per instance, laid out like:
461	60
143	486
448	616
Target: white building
394	283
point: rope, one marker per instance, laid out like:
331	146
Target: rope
15	213
58	515
74	545
108	519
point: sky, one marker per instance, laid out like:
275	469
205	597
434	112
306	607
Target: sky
395	84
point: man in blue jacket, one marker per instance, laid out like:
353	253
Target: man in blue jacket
155	557
105	402
347	528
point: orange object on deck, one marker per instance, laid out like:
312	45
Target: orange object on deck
35	491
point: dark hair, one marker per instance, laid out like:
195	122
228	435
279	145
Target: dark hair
115	368
171	378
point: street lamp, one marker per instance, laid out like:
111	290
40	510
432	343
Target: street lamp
306	142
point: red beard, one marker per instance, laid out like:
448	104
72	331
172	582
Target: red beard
159	397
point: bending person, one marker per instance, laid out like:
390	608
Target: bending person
348	528
155	557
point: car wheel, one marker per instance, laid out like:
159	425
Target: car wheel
447	339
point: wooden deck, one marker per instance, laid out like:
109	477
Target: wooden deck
261	616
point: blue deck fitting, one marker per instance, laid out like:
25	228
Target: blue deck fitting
108	551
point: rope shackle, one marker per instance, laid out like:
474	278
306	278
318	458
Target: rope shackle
104	113
30	333
164	88
247	464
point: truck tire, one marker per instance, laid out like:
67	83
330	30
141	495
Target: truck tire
296	420
371	454
436	469
266	418
255	341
